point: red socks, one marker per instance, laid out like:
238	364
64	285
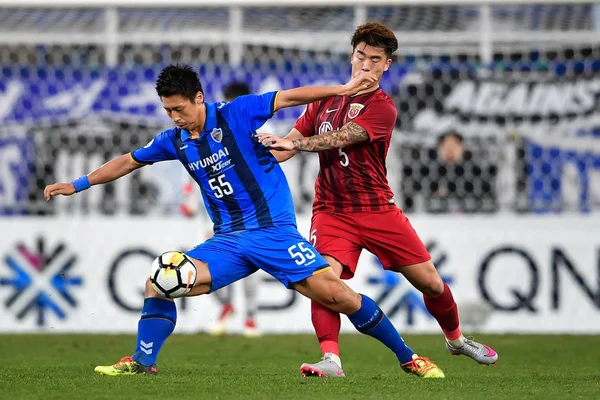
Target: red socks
327	327
328	323
443	308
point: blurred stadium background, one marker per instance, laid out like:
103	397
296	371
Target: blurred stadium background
512	223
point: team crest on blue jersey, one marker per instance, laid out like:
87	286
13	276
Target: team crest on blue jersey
217	135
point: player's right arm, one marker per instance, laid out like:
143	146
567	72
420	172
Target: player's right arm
160	148
114	169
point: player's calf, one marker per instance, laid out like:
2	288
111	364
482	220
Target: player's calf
365	315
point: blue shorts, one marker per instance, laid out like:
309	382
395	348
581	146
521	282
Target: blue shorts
279	251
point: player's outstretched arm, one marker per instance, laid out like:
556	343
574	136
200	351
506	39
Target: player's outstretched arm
114	169
349	134
308	94
282	155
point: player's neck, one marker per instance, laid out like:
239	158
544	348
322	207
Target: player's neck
199	128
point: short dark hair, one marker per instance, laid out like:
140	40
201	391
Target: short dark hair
235	89
178	79
450	134
376	35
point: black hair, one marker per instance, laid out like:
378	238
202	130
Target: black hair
450	134
178	79
235	89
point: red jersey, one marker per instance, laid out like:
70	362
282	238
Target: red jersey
353	179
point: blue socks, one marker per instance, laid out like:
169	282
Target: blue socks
371	321
159	317
156	324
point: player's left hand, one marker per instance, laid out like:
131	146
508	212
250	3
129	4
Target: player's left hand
362	81
275	142
65	189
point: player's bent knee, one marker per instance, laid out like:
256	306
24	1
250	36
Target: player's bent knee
329	290
342	299
433	283
424	277
352	303
433	286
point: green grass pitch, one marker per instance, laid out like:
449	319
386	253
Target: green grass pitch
233	367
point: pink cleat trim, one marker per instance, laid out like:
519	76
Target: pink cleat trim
310	371
491	353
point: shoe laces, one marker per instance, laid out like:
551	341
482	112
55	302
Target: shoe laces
478	348
422	364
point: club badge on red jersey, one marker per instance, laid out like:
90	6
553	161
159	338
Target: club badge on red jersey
354	110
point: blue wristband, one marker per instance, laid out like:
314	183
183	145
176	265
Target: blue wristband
81	184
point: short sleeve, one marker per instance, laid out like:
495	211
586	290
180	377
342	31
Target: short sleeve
306	123
254	109
378	119
160	148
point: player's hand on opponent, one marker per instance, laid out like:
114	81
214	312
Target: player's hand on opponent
66	189
362	81
275	142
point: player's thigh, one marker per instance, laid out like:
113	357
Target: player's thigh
392	239
283	253
222	262
336	236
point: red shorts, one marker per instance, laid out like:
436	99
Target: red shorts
388	235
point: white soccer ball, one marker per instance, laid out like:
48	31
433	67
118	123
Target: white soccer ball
173	274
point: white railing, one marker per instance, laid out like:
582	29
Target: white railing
269	3
482	38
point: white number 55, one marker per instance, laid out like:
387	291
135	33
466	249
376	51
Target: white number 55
220	186
304	253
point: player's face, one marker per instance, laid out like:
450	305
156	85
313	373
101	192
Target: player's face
185	114
451	150
369	59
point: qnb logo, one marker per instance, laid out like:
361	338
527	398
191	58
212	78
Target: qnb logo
397	295
40	282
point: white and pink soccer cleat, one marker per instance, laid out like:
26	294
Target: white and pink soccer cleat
481	353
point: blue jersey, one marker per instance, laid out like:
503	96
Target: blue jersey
242	184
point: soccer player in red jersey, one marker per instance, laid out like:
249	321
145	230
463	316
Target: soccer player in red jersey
354	207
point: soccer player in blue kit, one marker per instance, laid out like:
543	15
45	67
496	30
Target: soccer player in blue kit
249	202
